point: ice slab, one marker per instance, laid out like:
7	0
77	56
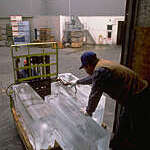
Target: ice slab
80	94
58	117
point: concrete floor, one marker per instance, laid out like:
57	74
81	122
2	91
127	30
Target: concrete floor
69	61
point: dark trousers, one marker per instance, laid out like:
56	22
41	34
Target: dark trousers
134	124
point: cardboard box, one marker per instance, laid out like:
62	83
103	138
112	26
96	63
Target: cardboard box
77	45
45	34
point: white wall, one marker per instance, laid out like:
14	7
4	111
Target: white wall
97	25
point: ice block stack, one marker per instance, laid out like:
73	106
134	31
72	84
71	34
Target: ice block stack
58	118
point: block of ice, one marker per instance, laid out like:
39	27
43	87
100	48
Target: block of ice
58	117
80	94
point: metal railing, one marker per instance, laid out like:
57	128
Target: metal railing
33	61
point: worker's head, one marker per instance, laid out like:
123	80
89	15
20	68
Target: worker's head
25	62
89	61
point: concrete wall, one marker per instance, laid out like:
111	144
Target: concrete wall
61	7
16	7
52	22
97	26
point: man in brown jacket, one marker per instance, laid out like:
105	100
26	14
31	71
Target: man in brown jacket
128	89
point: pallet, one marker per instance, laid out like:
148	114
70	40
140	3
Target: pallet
76	45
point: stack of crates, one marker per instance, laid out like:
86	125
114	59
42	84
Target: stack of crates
45	34
9	35
76	39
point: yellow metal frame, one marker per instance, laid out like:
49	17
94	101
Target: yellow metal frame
49	45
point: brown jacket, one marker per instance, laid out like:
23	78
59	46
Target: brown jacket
124	83
118	81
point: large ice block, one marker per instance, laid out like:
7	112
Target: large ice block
58	117
80	94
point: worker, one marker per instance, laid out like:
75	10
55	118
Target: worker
126	88
25	72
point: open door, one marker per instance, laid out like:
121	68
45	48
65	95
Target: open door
136	42
120	32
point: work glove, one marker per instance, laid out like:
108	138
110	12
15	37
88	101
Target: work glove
83	110
73	83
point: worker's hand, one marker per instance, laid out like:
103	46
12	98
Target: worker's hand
73	83
63	82
83	110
